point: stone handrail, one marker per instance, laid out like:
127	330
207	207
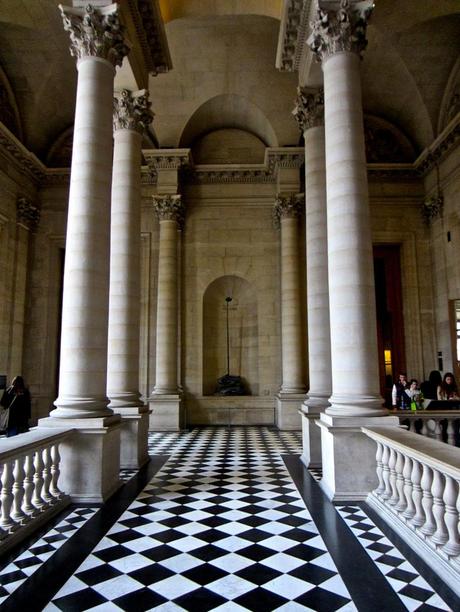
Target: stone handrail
442	425
419	485
29	483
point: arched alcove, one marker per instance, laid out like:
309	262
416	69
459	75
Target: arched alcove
243	333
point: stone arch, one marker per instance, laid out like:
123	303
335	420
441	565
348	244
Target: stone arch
243	333
60	152
228	111
450	105
180	9
385	142
9	112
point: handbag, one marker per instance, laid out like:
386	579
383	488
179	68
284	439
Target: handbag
4	418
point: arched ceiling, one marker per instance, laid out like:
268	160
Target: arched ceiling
179	9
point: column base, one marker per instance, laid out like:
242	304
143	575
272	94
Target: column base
287	407
134	434
311	434
167	413
90	459
348	456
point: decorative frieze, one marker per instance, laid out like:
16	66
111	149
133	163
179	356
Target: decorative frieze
294	27
27	213
287	206
309	108
131	110
337	31
95	32
169	208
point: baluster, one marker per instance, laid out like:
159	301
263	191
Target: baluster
55	472
440	536
417	494
437	430
450	432
47	476
378	458
391	464
29	486
424	430
386	473
401	503
37	499
451	516
18	492
7	497
429	526
408	488
410	425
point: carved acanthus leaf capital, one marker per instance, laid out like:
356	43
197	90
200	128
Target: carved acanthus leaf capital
287	206
169	208
95	32
309	108
27	213
343	29
432	207
131	110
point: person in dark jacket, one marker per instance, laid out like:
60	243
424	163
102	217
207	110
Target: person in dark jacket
430	387
17	398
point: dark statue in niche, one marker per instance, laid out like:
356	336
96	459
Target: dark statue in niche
385	144
228	384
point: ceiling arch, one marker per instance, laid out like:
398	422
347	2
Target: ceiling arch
180	9
228	111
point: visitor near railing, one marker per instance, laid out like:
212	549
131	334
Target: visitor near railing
29	483
419	485
442	425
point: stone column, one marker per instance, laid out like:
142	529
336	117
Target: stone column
287	210
309	113
337	39
165	400
90	463
27	219
131	116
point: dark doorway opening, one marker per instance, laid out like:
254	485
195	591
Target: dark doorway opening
390	323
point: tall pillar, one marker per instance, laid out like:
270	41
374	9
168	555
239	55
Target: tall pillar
165	401
289	399
338	39
27	219
90	466
309	113
131	117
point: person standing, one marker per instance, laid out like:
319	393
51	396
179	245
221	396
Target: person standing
399	397
16	399
448	389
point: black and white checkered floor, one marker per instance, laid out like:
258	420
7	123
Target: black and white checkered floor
221	526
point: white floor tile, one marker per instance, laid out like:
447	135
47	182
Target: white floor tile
118	586
232	562
174	587
181	563
231	586
288	586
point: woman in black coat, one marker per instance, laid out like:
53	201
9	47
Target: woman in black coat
17	399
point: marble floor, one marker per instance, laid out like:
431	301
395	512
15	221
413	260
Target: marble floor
221	519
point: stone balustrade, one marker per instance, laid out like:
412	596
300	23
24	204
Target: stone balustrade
418	495
29	483
442	425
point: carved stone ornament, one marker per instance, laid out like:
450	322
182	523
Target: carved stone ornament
432	207
27	214
344	29
131	110
95	32
309	108
287	206
169	208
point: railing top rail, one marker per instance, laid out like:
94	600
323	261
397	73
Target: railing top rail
431	414
433	453
26	442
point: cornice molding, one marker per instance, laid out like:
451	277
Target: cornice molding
442	145
22	158
293	34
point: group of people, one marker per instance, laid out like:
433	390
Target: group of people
408	395
15	409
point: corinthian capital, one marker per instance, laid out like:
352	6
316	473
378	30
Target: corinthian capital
169	208
27	214
309	108
95	32
339	30
287	206
131	110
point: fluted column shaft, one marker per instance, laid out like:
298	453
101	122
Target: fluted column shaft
124	301
83	367
291	318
